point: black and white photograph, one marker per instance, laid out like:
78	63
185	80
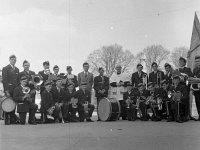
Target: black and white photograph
100	74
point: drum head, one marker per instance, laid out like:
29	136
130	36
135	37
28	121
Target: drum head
104	109
8	105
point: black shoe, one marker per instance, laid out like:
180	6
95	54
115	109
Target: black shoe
179	120
169	119
32	122
22	123
98	120
89	120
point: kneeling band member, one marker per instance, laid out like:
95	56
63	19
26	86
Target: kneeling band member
47	104
24	102
85	108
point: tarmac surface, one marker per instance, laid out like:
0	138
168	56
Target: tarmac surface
116	135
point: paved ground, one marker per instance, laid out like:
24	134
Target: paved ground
119	135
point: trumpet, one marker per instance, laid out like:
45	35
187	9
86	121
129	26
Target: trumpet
144	80
159	78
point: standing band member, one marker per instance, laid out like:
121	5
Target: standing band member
45	74
85	108
61	100
71	79
168	74
24	102
156	76
10	75
138	76
86	77
188	72
101	86
118	82
196	73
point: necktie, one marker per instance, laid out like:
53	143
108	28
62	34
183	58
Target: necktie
86	74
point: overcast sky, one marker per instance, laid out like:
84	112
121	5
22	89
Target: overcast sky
66	31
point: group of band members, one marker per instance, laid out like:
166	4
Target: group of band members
153	97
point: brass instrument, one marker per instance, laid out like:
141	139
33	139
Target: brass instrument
74	102
26	90
159	103
144	80
37	80
47	71
128	102
159	78
51	110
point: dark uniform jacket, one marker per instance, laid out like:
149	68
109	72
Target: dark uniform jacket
28	76
143	95
183	89
10	78
59	97
130	94
73	79
46	101
153	76
163	93
82	97
99	85
196	73
22	105
136	79
168	78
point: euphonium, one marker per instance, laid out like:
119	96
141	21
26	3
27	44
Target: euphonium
37	80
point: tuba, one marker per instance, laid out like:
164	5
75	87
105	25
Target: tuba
37	80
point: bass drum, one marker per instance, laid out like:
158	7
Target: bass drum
109	109
8	104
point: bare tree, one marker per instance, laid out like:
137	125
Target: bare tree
155	53
177	53
108	57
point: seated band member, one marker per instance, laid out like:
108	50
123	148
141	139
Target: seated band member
152	101
101	86
47	104
179	96
140	101
163	95
85	108
128	103
24	102
118	82
156	76
61	100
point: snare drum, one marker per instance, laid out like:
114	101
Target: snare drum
109	109
8	104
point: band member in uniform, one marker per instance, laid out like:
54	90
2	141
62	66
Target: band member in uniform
140	101
71	78
188	72
10	75
54	75
129	103
152	101
73	106
101	86
138	76
23	98
45	74
118	82
168	74
156	75
48	105
29	75
61	100
87	77
196	73
85	108
179	97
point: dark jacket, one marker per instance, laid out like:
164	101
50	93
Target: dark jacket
131	95
168	78
136	79
46	101
73	78
153	76
82	97
22	105
99	85
60	97
29	76
10	78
